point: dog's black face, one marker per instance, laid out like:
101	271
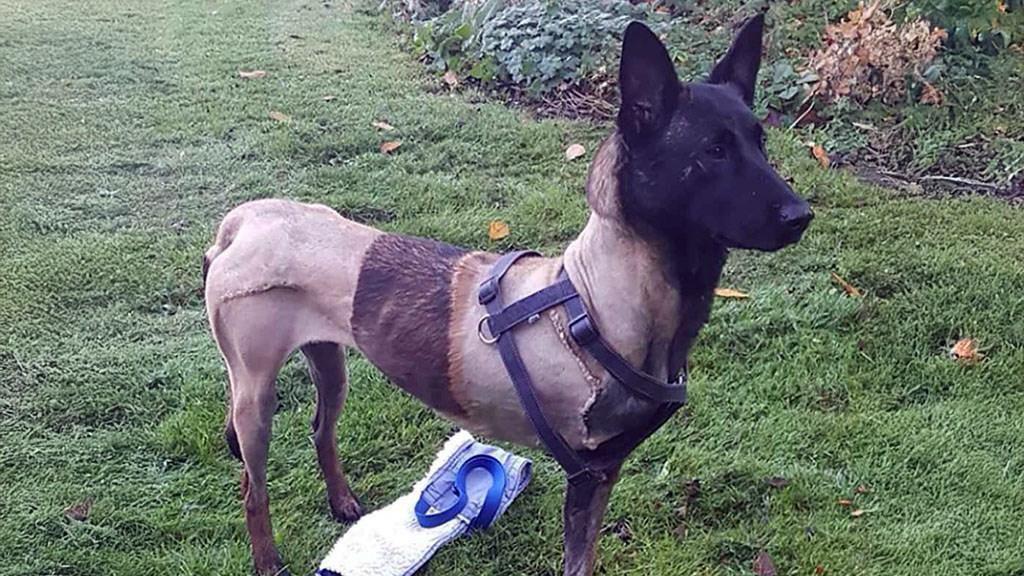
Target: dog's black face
695	159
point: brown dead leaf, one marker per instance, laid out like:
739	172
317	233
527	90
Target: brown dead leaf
857	513
574	151
382	126
79	511
730	293
389	146
280	116
819	570
850	289
818	151
451	79
931	95
251	74
328	98
778	482
861	489
845	502
497	230
763	564
966	351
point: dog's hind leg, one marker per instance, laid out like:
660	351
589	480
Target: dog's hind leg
327	369
230	435
253	400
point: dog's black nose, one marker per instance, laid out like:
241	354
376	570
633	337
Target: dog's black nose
796	217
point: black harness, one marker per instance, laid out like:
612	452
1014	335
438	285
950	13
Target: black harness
580	466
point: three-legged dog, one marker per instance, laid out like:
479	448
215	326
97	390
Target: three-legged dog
683	178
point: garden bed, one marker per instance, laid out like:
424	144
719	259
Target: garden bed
926	93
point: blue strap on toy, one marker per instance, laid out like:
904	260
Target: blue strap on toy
491	502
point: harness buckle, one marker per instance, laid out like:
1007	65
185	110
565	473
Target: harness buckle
488	291
486	338
584	476
582	330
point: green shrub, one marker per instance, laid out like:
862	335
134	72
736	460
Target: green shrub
535	44
990	24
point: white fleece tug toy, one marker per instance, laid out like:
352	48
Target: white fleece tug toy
468	487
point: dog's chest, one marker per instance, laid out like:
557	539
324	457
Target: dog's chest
662	353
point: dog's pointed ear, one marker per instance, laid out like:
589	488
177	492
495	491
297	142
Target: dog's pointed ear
647	82
738	68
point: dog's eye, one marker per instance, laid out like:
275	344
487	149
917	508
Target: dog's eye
717	152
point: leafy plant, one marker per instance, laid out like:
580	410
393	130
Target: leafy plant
991	24
536	44
786	88
542	44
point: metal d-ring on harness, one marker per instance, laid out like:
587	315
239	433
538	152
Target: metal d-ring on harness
499	322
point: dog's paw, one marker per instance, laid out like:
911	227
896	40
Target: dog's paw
346	509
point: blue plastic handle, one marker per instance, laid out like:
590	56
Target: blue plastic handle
491	502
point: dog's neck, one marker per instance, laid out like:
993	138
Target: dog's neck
649	295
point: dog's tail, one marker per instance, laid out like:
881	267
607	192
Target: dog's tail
225	236
211	253
206	267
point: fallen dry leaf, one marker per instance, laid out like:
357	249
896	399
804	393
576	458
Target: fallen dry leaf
79	511
328	97
861	489
818	151
845	502
574	151
857	513
778	482
389	146
730	293
850	289
251	74
280	116
931	95
497	230
763	564
383	126
819	569
451	79
966	351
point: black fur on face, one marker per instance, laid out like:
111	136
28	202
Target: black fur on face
695	167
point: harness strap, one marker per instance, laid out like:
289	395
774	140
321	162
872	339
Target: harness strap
586	335
500	321
575	467
529	308
490	287
581	327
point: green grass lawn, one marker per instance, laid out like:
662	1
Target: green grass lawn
126	133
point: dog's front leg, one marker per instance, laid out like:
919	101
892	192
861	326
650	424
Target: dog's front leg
584	510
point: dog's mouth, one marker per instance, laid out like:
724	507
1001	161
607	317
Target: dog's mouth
730	244
775	243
